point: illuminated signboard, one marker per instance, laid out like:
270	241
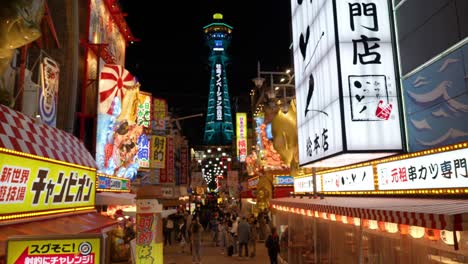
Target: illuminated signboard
358	179
159	114
149	239
184	164
346	89
102	29
143	151
440	170
283	180
158	152
82	248
48	93
167	174
144	109
306	184
252	182
117	130
28	185
113	183
219	91
241	129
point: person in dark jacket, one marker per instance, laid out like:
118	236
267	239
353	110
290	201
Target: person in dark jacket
273	246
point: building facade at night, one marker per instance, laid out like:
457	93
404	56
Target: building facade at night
218	126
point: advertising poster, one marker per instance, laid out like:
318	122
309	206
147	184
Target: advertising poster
167	174
158	152
28	185
83	248
117	128
159	114
143	151
48	92
149	237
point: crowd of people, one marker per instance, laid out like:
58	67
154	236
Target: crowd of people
235	234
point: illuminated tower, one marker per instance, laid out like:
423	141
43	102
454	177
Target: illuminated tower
218	126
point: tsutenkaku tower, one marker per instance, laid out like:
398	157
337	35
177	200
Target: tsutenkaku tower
218	126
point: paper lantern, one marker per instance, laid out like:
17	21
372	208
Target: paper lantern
338	218
373	224
404	229
391	227
432	234
324	216
344	219
350	220
357	221
309	213
381	226
447	237
333	217
416	231
316	214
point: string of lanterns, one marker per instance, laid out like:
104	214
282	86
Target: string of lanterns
214	165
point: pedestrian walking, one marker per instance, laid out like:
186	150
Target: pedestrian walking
272	244
169	227
243	232
253	237
182	238
196	236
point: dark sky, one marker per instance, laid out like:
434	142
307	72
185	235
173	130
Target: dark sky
170	61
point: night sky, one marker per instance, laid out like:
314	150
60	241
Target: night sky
170	61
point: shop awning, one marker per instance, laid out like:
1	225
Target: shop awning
21	133
73	224
448	214
111	198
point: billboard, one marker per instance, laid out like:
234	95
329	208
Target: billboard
158	152
345	81
143	151
82	248
144	109
241	136
117	129
28	185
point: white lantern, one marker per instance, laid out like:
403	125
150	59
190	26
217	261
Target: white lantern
391	227
357	221
447	237
373	224
416	231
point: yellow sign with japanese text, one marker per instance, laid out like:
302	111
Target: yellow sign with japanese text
158	152
55	249
28	184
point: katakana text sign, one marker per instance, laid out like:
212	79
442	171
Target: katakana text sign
28	185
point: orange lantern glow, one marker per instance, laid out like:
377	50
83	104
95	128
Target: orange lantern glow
316	214
338	218
309	213
381	226
303	212
432	234
404	229
350	220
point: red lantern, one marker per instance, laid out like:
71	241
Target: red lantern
404	229
432	234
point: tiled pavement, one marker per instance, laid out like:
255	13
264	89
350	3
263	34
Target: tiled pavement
212	255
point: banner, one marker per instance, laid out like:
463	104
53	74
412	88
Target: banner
158	152
167	174
159	114
241	135
48	93
28	185
149	237
82	248
184	164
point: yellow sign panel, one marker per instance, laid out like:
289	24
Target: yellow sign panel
55	249
28	185
158	152
241	135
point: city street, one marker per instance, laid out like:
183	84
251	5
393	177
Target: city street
211	254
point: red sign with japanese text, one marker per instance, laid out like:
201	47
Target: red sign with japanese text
184	164
167	174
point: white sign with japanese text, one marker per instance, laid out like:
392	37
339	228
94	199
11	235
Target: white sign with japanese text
345	78
358	179
306	184
442	170
219	92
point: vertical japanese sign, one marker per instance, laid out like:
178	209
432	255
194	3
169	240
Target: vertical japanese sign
149	248
241	134
144	109
158	152
159	114
83	248
28	185
143	151
219	91
441	170
345	78
184	164
167	174
48	93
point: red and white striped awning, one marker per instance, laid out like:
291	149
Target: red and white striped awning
21	133
445	214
